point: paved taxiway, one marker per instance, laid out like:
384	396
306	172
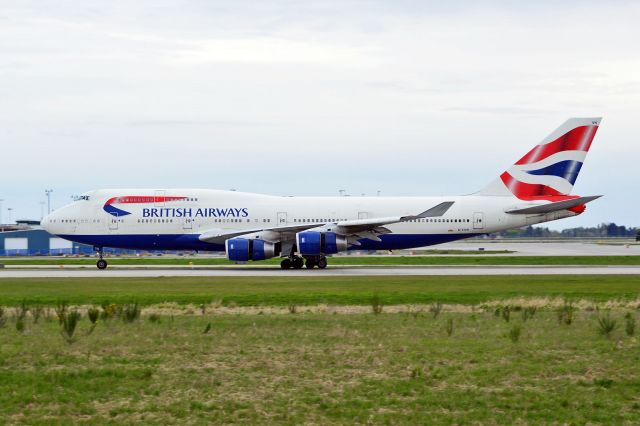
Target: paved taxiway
112	272
546	247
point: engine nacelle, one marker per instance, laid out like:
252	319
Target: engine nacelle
314	243
242	249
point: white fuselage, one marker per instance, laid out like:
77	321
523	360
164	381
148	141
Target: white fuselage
173	219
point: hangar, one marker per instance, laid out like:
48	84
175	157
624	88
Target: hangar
26	238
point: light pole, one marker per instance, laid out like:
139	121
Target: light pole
1	200
9	209
48	192
41	210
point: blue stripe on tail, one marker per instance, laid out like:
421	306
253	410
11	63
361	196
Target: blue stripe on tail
567	170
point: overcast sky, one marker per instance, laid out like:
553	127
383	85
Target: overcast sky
306	98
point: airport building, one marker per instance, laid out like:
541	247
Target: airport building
26	238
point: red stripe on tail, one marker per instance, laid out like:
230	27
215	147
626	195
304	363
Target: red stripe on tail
578	139
530	191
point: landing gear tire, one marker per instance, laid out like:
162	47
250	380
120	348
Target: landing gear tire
322	263
310	264
101	264
298	263
286	263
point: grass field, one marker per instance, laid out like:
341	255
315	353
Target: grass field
349	260
276	360
322	369
282	291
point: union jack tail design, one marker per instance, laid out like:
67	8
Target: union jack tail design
551	168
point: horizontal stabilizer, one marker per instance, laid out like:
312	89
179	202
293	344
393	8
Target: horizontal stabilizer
554	207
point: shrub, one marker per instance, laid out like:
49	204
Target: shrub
207	329
506	313
21	317
293	309
36	313
528	313
606	324
130	312
61	311
3	319
109	310
21	311
449	327
21	324
435	309
376	305
514	333
154	318
69	322
93	313
629	324
565	313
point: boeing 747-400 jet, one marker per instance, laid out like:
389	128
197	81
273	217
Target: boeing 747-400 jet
304	230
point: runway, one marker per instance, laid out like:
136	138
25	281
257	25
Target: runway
132	272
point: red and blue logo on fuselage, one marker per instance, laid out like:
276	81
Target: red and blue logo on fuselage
134	199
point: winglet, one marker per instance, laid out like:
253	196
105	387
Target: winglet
436	211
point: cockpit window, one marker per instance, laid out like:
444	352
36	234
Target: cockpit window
80	198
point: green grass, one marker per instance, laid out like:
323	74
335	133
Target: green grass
321	369
282	291
349	260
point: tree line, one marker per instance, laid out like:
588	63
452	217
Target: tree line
604	230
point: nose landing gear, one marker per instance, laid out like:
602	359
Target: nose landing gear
101	263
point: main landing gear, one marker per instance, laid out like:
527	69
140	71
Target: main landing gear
101	263
297	262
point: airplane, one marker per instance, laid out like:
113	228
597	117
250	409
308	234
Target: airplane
303	231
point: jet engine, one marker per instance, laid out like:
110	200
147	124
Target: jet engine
314	243
242	249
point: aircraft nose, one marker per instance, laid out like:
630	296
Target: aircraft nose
46	223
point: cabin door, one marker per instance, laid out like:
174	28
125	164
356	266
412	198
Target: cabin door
282	219
113	222
478	220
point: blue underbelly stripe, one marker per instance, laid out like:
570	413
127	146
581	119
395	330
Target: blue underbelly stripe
191	241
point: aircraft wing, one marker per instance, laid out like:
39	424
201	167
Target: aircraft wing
221	235
353	226
363	228
554	207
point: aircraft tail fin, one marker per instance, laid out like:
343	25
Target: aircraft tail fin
551	167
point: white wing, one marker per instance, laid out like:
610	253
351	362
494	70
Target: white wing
360	228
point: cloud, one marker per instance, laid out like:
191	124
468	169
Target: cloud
412	97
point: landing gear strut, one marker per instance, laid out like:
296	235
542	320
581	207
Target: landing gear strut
101	263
